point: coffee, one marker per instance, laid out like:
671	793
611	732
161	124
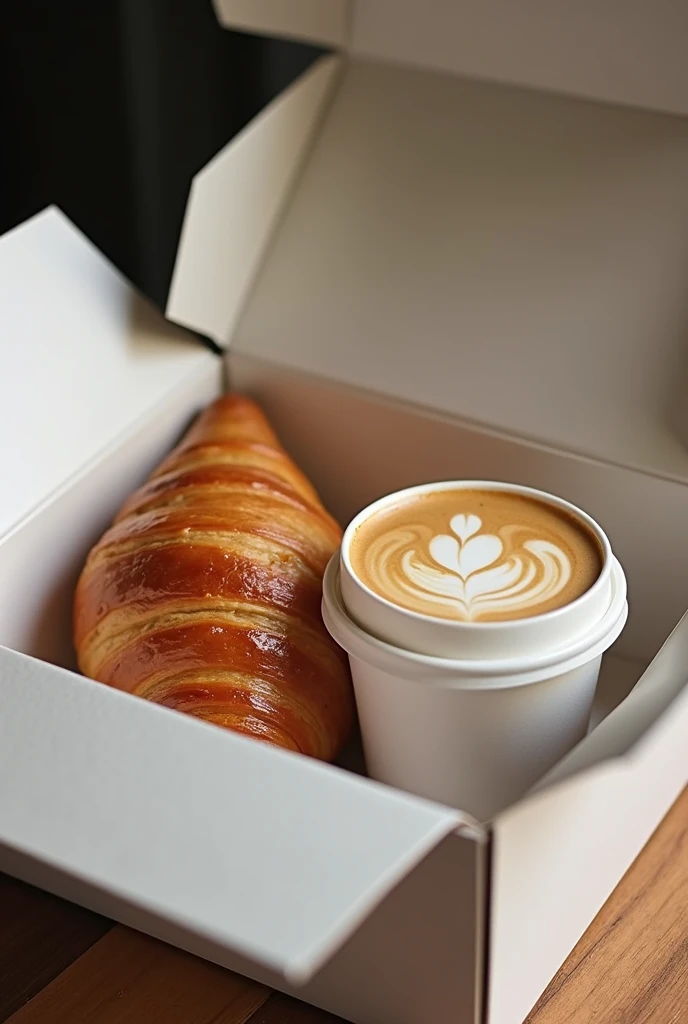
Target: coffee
476	555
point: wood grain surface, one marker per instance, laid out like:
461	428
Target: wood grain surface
40	936
62	965
127	976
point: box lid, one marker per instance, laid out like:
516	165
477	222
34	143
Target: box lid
623	52
445	239
76	336
265	891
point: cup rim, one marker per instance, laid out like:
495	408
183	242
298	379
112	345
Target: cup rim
503	625
518	670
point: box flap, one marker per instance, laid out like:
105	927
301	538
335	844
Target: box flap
662	689
75	335
272	855
581	828
622	52
236	202
313	21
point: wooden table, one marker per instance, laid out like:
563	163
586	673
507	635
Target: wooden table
60	964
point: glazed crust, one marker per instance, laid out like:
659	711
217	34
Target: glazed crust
204	595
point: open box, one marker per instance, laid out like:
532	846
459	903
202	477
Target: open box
421	277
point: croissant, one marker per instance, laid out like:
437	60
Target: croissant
204	595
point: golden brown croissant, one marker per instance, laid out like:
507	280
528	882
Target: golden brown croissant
205	594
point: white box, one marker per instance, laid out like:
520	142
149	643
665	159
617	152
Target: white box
421	277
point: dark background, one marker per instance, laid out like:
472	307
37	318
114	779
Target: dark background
109	107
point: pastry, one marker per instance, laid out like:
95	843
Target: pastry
204	595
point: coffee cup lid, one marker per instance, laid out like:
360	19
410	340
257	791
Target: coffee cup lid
470	673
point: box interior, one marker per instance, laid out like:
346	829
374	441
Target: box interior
36	607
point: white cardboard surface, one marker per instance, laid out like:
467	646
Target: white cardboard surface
623	51
620	51
527	276
272	855
419	958
72	326
235	204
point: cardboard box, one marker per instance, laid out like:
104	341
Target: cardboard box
420	276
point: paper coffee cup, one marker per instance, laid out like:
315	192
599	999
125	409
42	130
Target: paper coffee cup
426	634
470	712
472	734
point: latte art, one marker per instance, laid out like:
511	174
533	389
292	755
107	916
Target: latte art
485	565
473	574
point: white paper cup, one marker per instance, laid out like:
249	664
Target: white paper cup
472	734
446	638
